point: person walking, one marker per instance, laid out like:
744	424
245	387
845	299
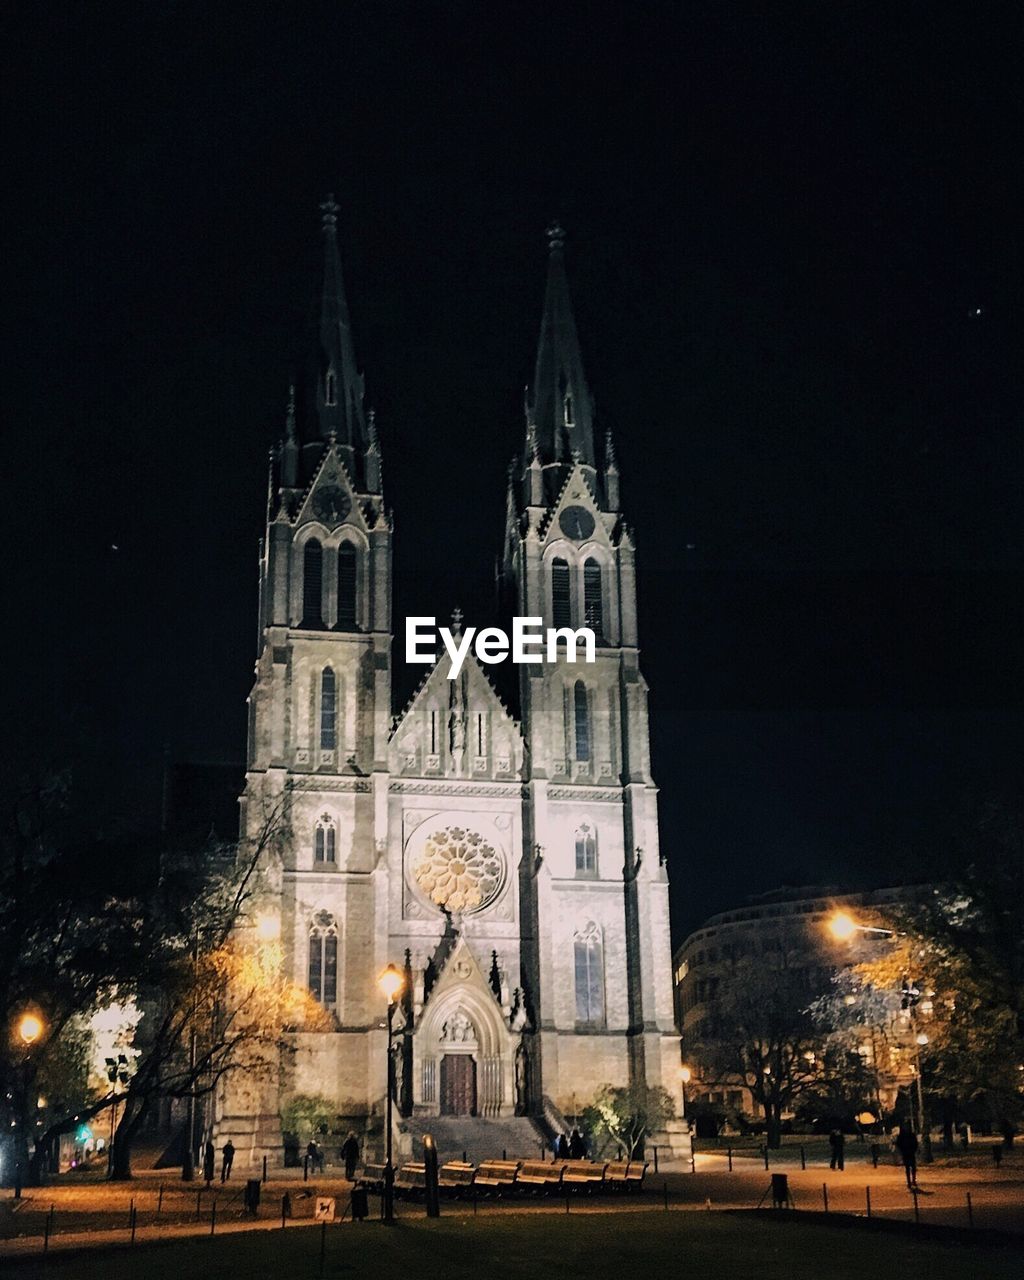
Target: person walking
577	1147
228	1159
209	1162
906	1144
837	1143
350	1154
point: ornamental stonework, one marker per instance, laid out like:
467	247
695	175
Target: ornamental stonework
458	870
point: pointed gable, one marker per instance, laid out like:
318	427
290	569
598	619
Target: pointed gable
457	728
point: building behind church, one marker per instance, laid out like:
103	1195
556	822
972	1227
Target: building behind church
506	858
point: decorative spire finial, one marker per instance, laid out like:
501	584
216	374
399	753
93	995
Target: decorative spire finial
330	211
289	420
556	237
456	623
371	427
611	462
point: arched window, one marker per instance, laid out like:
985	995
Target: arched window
325	841
330	388
328	710
346	587
323	958
312	582
586	851
561	607
593	609
581	713
589	971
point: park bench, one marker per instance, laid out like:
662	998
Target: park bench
538	1176
495	1176
371	1176
456	1177
625	1175
584	1175
411	1178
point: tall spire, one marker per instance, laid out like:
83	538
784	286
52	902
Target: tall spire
562	409
339	392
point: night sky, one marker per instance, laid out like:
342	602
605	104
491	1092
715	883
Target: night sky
795	252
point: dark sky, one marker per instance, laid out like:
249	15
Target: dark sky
795	249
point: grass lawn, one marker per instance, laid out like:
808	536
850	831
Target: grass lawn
621	1246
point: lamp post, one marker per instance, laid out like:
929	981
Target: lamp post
391	983
117	1071
843	926
30	1028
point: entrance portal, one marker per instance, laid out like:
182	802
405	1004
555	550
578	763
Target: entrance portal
458	1085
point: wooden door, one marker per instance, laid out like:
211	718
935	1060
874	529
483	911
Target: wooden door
458	1085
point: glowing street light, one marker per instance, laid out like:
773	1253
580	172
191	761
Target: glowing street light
268	928
391	981
30	1028
843	926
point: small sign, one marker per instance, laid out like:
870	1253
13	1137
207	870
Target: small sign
324	1209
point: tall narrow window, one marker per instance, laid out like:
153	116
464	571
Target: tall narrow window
328	710
479	735
561	608
346	587
330	388
586	851
433	733
593	611
582	718
589	972
324	844
323	958
312	583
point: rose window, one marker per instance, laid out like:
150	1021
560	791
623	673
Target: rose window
458	870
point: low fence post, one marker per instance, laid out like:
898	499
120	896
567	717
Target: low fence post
305	1168
803	1156
874	1155
970	1211
264	1168
47	1228
664	1192
764	1149
213	1216
730	1159
824	1195
285	1206
655	1157
867	1197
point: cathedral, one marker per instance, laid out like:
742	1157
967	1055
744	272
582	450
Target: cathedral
505	858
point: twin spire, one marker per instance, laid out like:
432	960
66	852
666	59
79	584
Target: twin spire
559	409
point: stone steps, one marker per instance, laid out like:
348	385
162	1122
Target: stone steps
481	1139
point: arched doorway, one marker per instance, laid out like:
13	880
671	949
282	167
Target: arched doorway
458	1084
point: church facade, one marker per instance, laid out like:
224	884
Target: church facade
506	859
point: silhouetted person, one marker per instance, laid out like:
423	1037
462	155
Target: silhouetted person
906	1144
228	1154
837	1144
1009	1133
561	1147
209	1163
350	1154
577	1147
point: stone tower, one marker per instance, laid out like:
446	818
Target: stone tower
596	926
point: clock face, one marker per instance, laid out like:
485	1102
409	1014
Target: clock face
577	523
331	504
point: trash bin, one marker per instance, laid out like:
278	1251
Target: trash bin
252	1196
360	1204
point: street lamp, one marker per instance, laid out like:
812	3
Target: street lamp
117	1071
843	926
30	1028
391	983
